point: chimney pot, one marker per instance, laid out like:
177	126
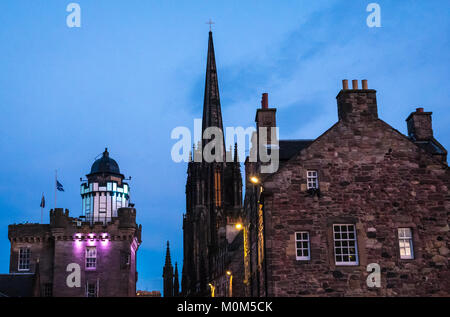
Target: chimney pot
355	84
365	85
419	110
345	84
265	101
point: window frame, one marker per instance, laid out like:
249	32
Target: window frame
302	240
21	260
405	239
102	204
95	289
312	178
347	240
88	256
48	290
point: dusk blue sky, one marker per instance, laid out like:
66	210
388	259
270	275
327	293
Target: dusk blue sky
135	70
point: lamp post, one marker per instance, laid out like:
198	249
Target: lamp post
256	181
230	285
213	289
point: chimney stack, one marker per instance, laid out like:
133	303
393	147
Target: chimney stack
419	125
266	117
357	104
265	101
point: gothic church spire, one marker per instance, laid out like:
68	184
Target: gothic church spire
212	113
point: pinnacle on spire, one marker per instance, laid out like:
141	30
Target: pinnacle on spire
168	259
176	283
236	157
212	113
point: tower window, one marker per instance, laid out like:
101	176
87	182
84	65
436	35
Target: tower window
218	189
24	259
91	257
102	207
345	247
302	246
405	243
119	201
312	180
88	204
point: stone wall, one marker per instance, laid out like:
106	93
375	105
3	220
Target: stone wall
372	176
64	242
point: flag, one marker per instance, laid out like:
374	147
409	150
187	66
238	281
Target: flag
59	186
42	201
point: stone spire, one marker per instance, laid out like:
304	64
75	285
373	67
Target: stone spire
212	113
168	274
176	284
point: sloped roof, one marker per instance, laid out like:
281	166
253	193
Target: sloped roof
288	148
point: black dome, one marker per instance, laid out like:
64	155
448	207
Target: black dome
105	164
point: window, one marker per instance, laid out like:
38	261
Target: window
91	257
102	207
345	248
302	246
48	290
125	259
312	180
119	201
24	259
91	289
218	189
405	243
88	204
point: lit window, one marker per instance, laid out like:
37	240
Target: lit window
405	243
312	180
88	204
102	207
345	248
119	201
302	246
91	257
218	189
24	259
91	289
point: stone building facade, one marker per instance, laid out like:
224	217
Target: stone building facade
82	256
359	198
362	210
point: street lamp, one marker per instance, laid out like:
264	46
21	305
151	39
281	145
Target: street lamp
213	289
254	179
230	285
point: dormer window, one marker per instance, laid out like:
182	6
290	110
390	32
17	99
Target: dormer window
312	179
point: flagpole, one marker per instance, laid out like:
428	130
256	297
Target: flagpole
56	179
42	211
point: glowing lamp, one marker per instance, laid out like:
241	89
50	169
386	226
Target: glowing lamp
239	226
229	273
254	180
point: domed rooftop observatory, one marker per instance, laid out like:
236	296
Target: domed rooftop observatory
105	191
105	165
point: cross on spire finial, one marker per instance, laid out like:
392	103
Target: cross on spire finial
210	22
